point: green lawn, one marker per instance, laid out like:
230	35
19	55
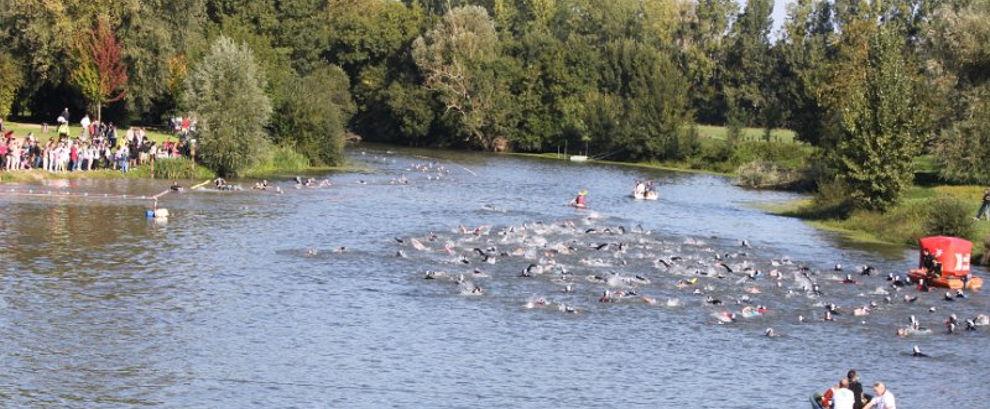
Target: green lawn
749	134
782	150
22	129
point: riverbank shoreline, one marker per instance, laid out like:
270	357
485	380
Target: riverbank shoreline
900	226
672	167
755	163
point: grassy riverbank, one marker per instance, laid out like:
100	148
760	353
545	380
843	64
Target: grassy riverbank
280	161
904	224
748	134
169	169
166	169
669	166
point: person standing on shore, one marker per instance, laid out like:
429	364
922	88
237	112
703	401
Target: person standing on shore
985	207
112	135
884	398
85	122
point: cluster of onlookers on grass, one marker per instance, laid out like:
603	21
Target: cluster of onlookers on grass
97	146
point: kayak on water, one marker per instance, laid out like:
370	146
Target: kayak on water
646	196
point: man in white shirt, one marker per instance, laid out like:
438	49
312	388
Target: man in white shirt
844	397
85	126
883	400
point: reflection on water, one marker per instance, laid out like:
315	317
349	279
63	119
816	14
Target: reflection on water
240	300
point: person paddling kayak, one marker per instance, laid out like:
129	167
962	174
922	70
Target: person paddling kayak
581	200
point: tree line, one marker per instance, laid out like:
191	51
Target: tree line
871	84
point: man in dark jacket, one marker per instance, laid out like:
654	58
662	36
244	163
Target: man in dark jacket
856	388
985	208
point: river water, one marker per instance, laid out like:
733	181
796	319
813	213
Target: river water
240	301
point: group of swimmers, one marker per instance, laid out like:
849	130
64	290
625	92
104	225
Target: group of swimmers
221	184
311	182
848	394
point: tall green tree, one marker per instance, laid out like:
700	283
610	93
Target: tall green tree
160	38
460	61
314	120
878	122
226	92
960	47
371	41
645	111
12	80
702	40
806	58
99	70
748	65
963	150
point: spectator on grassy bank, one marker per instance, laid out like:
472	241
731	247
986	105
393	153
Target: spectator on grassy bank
984	212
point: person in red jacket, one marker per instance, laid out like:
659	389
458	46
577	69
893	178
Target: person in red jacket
826	399
581	200
74	158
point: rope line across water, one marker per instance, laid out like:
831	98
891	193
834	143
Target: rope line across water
57	194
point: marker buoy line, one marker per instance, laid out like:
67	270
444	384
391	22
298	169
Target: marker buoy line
153	212
52	193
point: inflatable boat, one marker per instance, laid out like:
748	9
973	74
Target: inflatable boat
952	283
953	254
646	196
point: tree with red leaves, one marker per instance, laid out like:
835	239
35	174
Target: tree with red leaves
100	72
